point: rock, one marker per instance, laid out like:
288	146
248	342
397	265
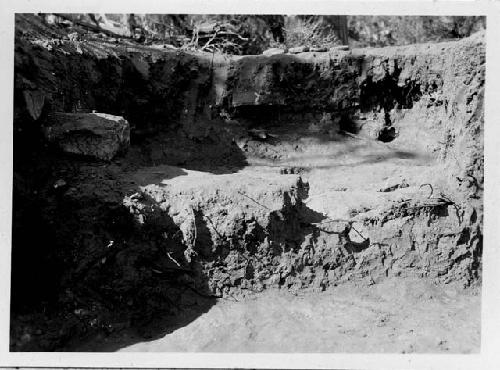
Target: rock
298	49
339	227
35	101
291	170
258	134
140	65
164	46
387	134
71	192
60	184
96	135
340	47
273	51
73	36
370	128
393	184
320	49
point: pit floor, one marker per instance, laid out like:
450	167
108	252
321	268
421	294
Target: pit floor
395	315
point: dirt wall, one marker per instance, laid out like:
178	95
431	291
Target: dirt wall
431	94
122	244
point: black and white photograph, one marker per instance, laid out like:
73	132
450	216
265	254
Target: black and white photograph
247	183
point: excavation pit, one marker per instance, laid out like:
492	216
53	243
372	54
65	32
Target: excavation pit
288	181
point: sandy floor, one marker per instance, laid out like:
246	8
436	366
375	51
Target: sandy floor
347	173
395	316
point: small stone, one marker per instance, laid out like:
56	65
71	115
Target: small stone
258	134
273	51
340	47
59	184
319	49
298	49
73	36
35	100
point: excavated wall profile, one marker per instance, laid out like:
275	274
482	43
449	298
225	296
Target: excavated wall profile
120	240
442	85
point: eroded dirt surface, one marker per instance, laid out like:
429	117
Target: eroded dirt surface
393	316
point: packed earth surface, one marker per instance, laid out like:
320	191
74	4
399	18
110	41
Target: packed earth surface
167	200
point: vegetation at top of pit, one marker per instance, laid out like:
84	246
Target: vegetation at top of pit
252	34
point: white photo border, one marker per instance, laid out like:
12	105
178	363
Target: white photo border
489	356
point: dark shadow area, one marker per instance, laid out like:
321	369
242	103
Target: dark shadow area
356	247
387	134
387	93
35	272
363	159
347	124
100	273
167	289
208	246
82	266
214	152
149	331
290	226
157	175
260	115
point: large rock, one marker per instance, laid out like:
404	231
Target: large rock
97	135
35	101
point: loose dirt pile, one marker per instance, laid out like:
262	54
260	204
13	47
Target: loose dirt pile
299	172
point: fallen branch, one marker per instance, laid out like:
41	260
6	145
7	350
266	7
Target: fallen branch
173	259
193	243
361	235
213	226
209	41
253	200
87	25
430	186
